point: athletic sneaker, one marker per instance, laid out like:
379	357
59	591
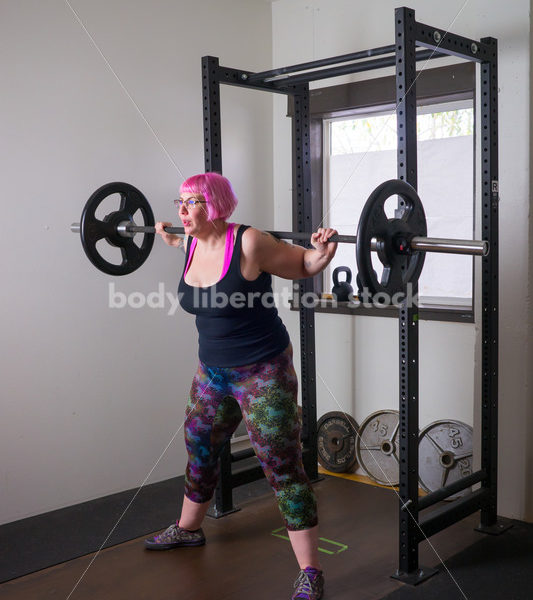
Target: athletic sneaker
309	585
175	537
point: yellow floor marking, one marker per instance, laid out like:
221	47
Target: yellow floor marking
363	479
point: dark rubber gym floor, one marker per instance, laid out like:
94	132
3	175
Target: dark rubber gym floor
244	558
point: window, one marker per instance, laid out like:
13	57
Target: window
353	131
360	153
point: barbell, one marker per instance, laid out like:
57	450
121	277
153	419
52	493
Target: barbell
400	243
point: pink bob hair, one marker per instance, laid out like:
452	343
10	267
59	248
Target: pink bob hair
216	190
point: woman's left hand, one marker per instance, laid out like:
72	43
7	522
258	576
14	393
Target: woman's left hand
319	241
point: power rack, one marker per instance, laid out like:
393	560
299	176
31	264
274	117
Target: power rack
414	41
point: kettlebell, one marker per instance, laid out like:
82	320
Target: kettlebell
342	289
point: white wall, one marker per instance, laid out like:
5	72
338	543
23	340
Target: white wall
91	396
361	368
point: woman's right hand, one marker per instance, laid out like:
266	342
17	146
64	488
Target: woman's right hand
169	238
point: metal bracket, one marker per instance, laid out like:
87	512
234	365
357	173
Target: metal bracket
500	525
418	576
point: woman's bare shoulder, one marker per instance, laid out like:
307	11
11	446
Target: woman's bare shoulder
254	239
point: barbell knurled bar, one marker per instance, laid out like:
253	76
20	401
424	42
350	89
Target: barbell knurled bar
416	243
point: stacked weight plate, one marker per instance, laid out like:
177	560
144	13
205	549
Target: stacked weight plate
377	447
445	449
445	455
336	437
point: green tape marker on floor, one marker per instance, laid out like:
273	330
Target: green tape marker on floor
339	547
342	547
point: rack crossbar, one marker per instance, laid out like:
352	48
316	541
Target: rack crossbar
231	76
369	65
247	476
451	44
449	490
321	63
443	517
242	454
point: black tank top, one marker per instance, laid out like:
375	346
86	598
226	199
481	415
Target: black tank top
237	321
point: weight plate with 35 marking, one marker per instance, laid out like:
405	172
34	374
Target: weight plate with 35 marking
378	447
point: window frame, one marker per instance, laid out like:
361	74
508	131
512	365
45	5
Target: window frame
434	86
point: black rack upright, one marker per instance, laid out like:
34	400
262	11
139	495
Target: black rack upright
435	42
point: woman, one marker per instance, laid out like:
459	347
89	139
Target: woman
245	369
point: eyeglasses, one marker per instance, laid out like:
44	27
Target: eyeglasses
189	203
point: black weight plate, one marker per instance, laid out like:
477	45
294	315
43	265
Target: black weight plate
92	229
399	268
336	435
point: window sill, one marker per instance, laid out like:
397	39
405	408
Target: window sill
426	312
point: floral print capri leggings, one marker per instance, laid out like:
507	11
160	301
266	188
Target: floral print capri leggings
264	394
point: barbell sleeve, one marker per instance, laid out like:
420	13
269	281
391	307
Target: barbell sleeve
450	246
417	243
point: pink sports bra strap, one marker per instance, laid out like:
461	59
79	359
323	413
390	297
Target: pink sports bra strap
191	252
228	251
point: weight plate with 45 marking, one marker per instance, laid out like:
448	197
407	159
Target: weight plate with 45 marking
445	455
